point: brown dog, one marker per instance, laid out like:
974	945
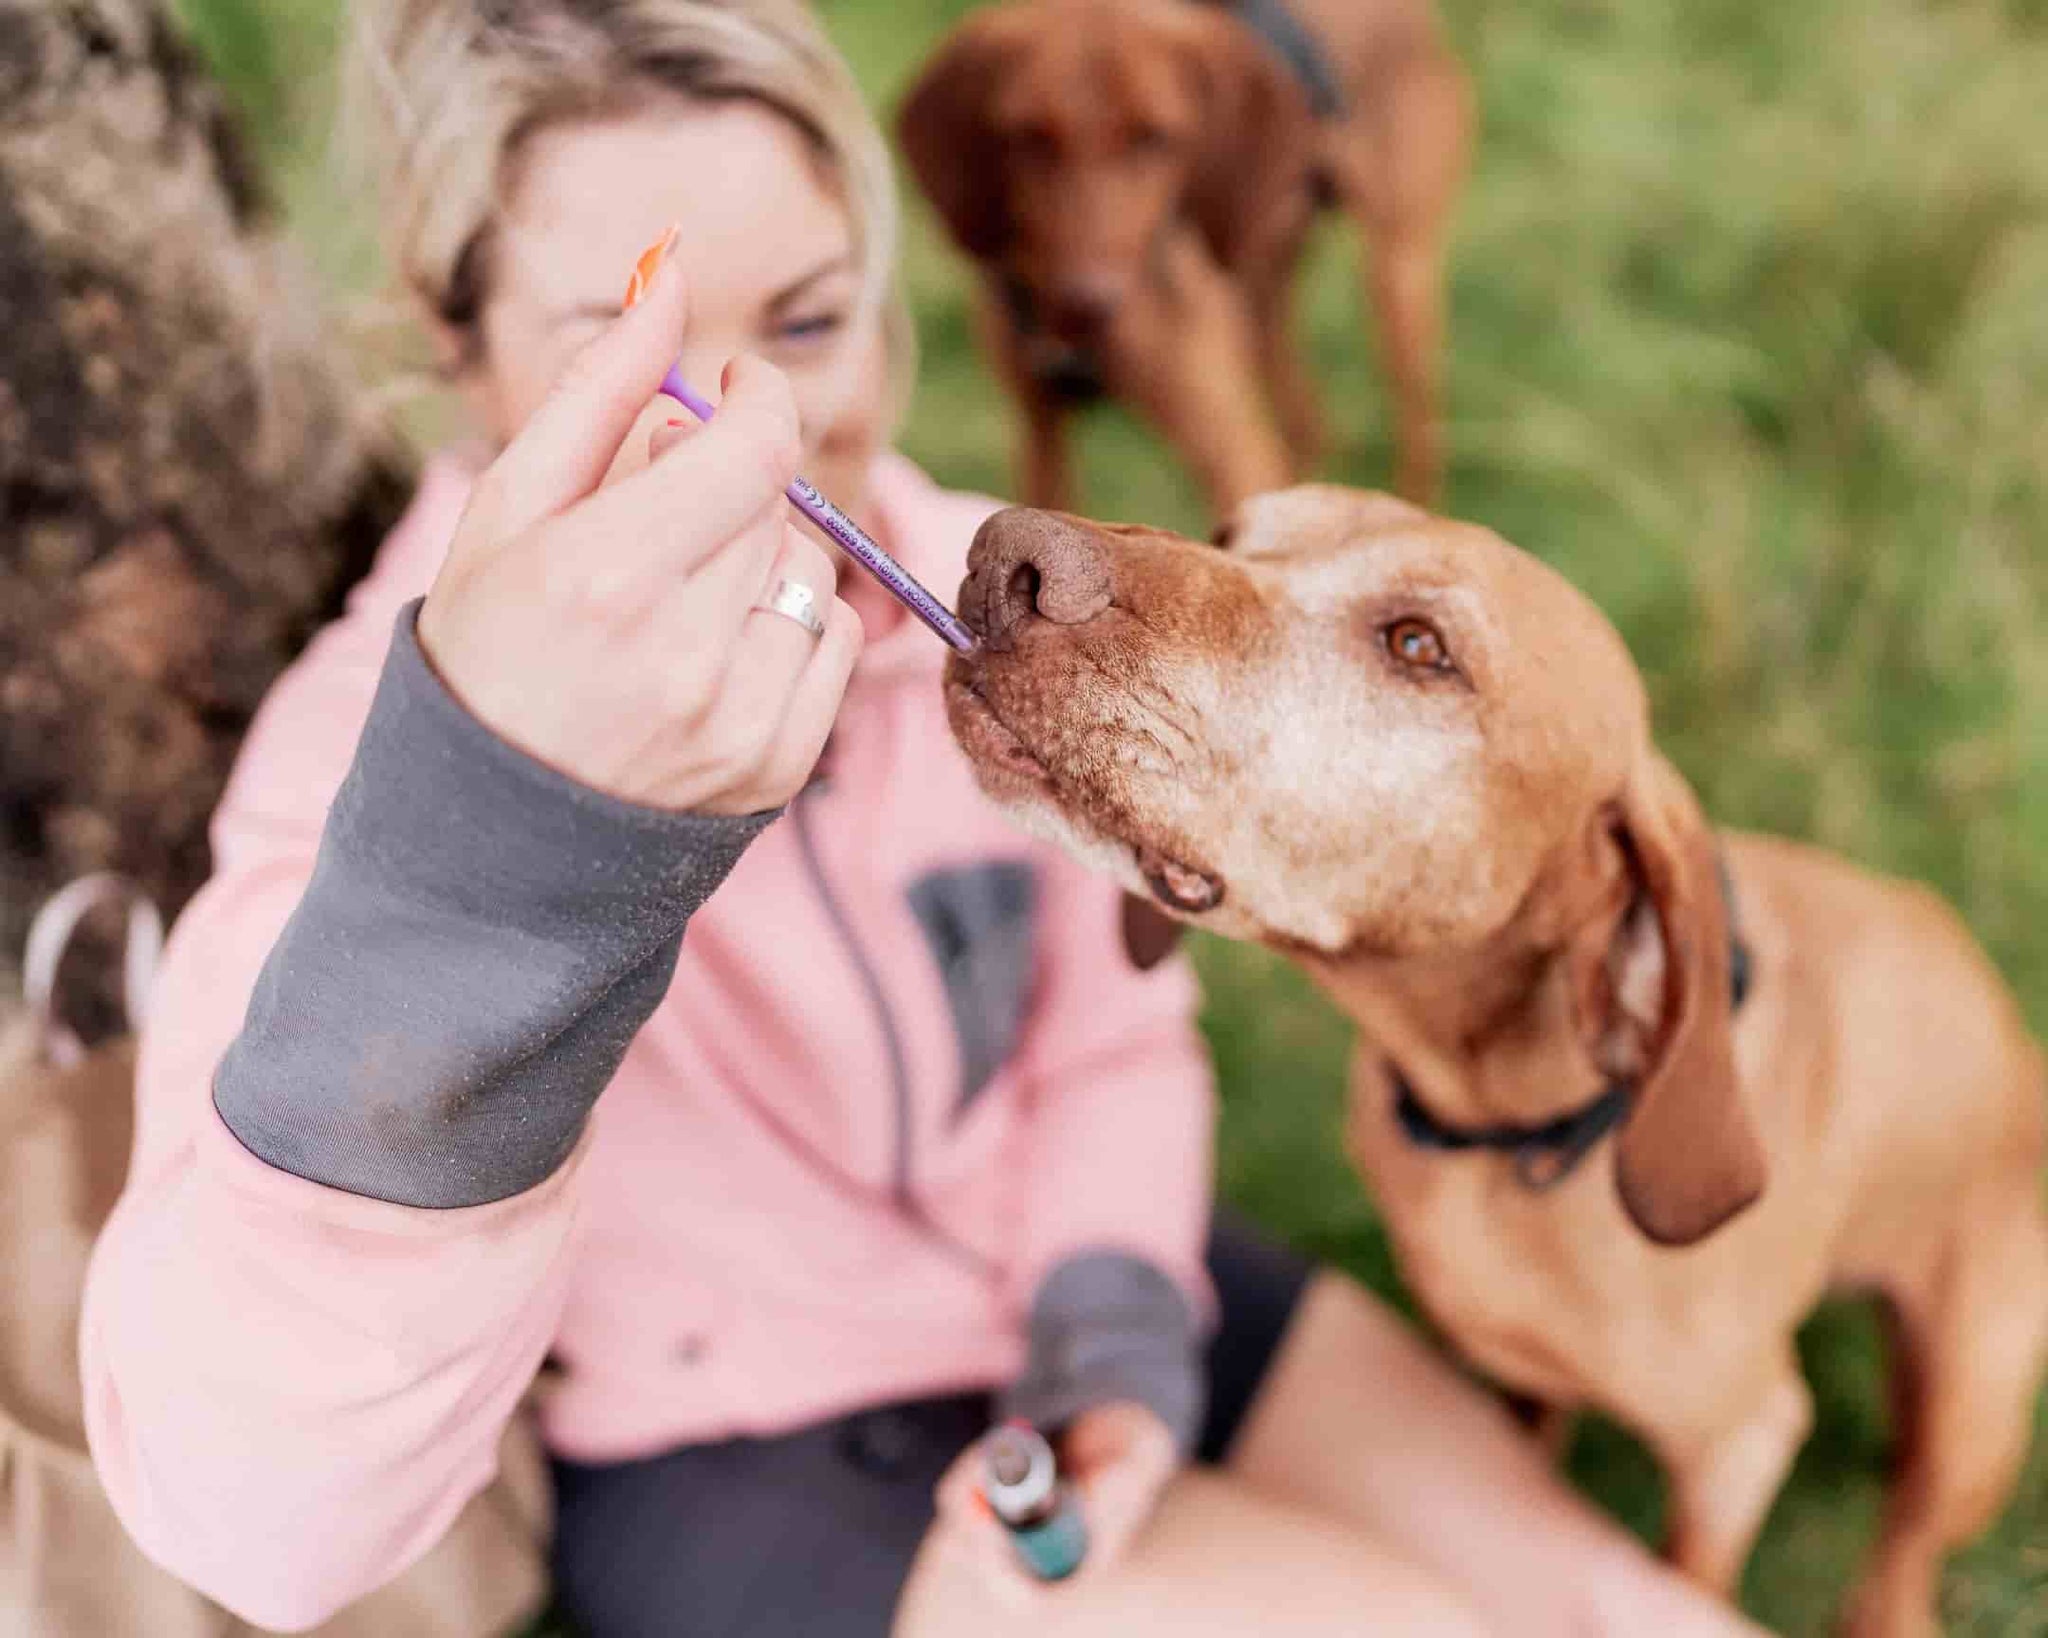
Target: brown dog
1136	179
1419	762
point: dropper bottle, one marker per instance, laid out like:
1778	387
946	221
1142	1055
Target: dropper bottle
1041	1511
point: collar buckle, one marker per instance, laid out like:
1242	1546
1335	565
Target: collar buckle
1550	1154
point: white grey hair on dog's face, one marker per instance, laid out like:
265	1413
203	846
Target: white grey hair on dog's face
1338	720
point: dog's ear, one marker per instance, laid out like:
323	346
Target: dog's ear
1150	934
1656	1008
948	141
1250	177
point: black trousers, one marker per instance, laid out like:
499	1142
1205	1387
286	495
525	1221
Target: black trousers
810	1534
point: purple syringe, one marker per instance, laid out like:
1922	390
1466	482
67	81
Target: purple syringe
857	543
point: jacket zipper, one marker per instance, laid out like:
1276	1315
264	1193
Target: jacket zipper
905	1200
870	981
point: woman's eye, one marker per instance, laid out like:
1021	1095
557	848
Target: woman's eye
1417	643
814	328
1150	139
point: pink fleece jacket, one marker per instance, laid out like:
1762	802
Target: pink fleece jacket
866	1118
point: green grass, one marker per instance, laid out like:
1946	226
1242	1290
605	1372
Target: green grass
1749	336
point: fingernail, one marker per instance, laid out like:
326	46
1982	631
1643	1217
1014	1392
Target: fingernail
725	376
679	425
647	266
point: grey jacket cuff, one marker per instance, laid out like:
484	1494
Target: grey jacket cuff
480	942
1107	1326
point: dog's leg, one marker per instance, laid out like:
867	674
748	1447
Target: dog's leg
1967	1357
1397	168
1044	477
1187	358
1289	381
1404	285
1723	1484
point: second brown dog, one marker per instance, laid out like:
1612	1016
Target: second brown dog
1136	179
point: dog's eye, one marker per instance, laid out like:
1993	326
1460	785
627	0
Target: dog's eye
1222	535
1417	643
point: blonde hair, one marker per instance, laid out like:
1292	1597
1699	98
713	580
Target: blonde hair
441	94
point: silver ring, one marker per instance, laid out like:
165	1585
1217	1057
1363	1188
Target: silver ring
793	600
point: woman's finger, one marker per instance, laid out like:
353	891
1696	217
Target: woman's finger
1012	1586
678	425
1121	1456
1115	1503
983	1553
672	517
806	722
707	621
610	576
958	1492
659	427
738	664
964	1513
814	707
774	644
567	444
767	649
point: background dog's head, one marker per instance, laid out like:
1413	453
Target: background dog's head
1060	138
1378	740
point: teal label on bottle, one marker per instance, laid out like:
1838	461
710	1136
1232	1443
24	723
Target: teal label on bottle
1053	1549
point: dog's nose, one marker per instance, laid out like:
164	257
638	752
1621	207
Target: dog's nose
1029	565
1088	299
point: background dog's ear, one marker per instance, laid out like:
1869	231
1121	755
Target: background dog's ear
1150	934
1250	179
1658	1012
947	140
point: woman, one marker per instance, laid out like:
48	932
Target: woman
893	1142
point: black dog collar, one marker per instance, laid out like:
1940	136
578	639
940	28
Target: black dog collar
1295	43
1546	1154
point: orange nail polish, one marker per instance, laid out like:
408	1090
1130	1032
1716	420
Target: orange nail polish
646	267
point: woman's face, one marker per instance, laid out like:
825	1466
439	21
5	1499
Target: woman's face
765	244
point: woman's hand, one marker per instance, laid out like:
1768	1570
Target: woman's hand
1119	1456
609	628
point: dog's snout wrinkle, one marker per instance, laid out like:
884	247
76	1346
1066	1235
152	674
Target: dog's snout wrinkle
1148	711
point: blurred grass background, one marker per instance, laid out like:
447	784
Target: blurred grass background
1749	337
